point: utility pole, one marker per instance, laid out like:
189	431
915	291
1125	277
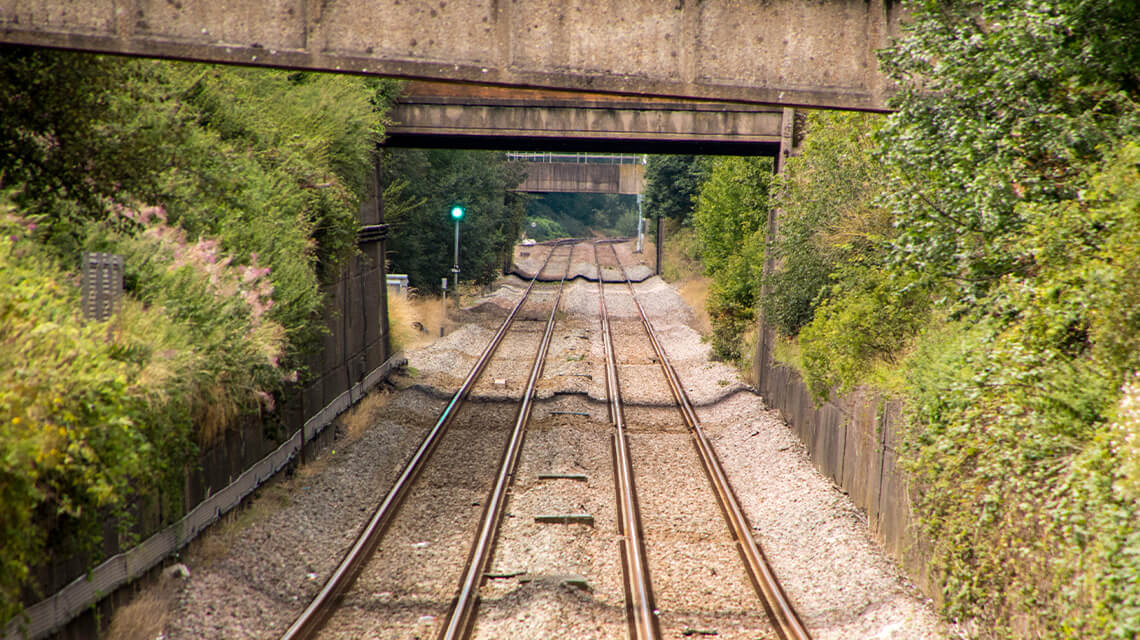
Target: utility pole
660	244
443	306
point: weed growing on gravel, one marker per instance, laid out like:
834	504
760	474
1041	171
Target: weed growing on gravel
365	414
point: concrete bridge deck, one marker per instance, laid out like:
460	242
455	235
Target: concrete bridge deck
783	52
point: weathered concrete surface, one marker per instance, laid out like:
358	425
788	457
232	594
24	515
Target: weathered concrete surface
565	177
816	53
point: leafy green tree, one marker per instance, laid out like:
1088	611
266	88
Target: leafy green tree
829	216
579	214
70	140
1013	174
542	229
730	217
671	185
1001	103
981	251
423	232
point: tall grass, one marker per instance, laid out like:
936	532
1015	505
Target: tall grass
414	320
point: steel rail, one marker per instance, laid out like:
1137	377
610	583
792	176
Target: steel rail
461	616
763	578
640	609
314	616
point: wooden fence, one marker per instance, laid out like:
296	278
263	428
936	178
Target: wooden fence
854	440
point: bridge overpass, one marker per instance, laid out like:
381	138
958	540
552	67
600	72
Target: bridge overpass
780	52
581	173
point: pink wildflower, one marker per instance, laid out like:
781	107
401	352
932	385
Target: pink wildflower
266	400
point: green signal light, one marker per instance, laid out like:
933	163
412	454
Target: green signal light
457	212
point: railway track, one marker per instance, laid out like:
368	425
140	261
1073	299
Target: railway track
319	610
763	578
641	610
642	613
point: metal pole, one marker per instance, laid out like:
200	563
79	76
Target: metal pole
455	266
640	224
443	307
660	245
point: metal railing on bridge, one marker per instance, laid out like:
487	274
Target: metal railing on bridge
575	158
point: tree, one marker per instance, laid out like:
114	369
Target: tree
829	216
671	185
731	213
1001	103
578	214
422	232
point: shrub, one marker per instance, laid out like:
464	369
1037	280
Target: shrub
828	216
729	221
868	319
1022	434
89	412
257	177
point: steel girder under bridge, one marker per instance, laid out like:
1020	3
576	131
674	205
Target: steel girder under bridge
450	115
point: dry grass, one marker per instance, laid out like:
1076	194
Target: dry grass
364	414
414	320
694	291
145	616
214	412
749	341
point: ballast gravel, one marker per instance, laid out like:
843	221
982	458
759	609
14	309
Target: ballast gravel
252	577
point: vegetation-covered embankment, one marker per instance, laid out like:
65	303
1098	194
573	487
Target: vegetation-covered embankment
232	195
976	254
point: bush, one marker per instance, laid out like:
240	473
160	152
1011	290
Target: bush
1021	428
829	218
867	320
225	309
542	229
253	181
729	221
90	413
731	303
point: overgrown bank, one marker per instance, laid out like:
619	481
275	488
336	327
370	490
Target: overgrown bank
975	255
232	194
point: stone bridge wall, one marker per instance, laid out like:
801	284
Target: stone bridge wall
786	52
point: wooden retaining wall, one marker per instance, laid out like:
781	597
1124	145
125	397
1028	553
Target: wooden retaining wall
854	440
